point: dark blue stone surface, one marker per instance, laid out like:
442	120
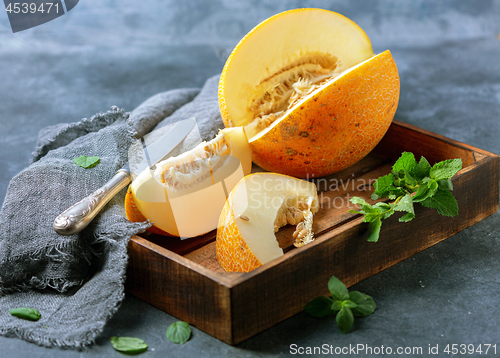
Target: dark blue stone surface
121	52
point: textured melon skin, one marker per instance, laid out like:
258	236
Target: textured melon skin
231	250
336	126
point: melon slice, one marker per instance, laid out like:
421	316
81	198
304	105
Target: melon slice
185	194
257	207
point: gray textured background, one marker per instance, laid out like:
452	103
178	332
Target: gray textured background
121	52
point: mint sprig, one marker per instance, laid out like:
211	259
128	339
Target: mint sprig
346	304
410	182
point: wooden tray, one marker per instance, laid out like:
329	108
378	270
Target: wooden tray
184	279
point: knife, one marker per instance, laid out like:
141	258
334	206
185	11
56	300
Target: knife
142	155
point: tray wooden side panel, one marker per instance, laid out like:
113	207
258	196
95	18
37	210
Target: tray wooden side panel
174	285
296	278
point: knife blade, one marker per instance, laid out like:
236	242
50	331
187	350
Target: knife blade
151	149
144	154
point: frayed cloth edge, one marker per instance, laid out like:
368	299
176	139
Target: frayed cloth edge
111	308
101	120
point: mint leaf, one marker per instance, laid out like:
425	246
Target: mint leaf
427	188
27	313
86	162
382	186
365	305
445	169
344	319
445	184
373	215
395	192
321	307
444	202
365	207
422	169
375	226
422	193
338	289
336	306
179	332
409	180
128	345
385	210
406	162
348	303
405	204
406	217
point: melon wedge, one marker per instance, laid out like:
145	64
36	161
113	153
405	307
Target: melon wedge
257	207
184	195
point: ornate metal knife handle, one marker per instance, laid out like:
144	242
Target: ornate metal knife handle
77	217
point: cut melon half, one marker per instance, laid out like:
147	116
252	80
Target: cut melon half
309	91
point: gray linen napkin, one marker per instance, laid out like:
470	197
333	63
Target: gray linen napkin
77	282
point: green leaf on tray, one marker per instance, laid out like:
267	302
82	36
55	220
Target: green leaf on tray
179	332
406	162
86	162
422	169
445	169
405	204
427	189
382	186
444	202
375	226
410	182
445	184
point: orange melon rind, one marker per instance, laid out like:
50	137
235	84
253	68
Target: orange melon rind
133	214
232	252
